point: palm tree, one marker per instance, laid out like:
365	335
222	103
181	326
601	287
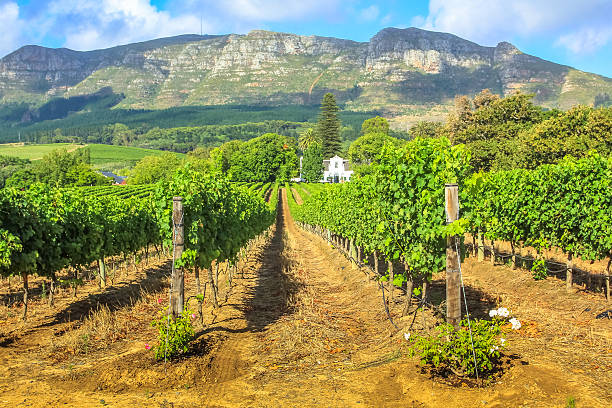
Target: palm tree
307	138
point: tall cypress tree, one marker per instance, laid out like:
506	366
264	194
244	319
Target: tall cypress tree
328	126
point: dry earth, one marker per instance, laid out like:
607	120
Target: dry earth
300	326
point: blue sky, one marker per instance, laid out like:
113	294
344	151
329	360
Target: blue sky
571	32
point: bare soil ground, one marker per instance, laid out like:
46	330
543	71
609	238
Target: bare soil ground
300	326
296	196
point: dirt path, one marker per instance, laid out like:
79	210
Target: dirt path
296	196
299	327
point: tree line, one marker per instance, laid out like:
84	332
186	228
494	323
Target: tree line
512	132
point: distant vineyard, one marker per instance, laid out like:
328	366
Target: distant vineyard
120	191
45	230
398	211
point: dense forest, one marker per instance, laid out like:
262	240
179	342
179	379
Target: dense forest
500	134
181	129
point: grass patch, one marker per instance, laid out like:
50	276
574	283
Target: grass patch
114	157
34	152
105	157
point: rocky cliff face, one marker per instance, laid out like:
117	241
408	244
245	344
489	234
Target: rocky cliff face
395	69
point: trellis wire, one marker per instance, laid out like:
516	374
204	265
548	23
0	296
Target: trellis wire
563	268
467	312
174	231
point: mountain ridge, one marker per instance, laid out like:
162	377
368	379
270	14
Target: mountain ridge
397	70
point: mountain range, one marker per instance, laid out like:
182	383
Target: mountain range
399	71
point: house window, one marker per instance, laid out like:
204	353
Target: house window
336	164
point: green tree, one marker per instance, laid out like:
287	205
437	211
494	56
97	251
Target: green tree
572	133
308	137
59	168
426	129
375	125
122	135
200	160
266	158
328	126
484	98
222	155
81	174
490	132
151	169
366	148
312	163
10	165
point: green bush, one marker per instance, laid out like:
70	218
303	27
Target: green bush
450	349
538	269
174	334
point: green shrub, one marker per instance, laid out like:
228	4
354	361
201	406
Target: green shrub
174	334
538	269
450	349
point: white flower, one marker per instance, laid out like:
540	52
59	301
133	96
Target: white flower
494	348
503	312
407	336
492	312
502	342
516	324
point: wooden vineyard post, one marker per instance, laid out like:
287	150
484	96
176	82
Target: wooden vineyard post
453	280
24	275
570	272
178	276
391	278
481	247
608	279
102	270
375	255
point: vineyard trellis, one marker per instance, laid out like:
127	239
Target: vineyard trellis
45	231
397	212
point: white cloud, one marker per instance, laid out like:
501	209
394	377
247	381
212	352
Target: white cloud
585	41
92	24
274	10
369	14
569	22
10	27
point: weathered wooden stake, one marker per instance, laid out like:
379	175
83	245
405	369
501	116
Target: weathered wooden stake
608	279
391	278
492	252
481	247
51	290
178	274
409	287
196	271
211	282
570	272
453	280
375	255
24	275
102	270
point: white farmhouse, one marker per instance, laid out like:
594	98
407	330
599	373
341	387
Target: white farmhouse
336	170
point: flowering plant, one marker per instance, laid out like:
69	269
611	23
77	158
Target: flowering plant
450	349
174	334
460	353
